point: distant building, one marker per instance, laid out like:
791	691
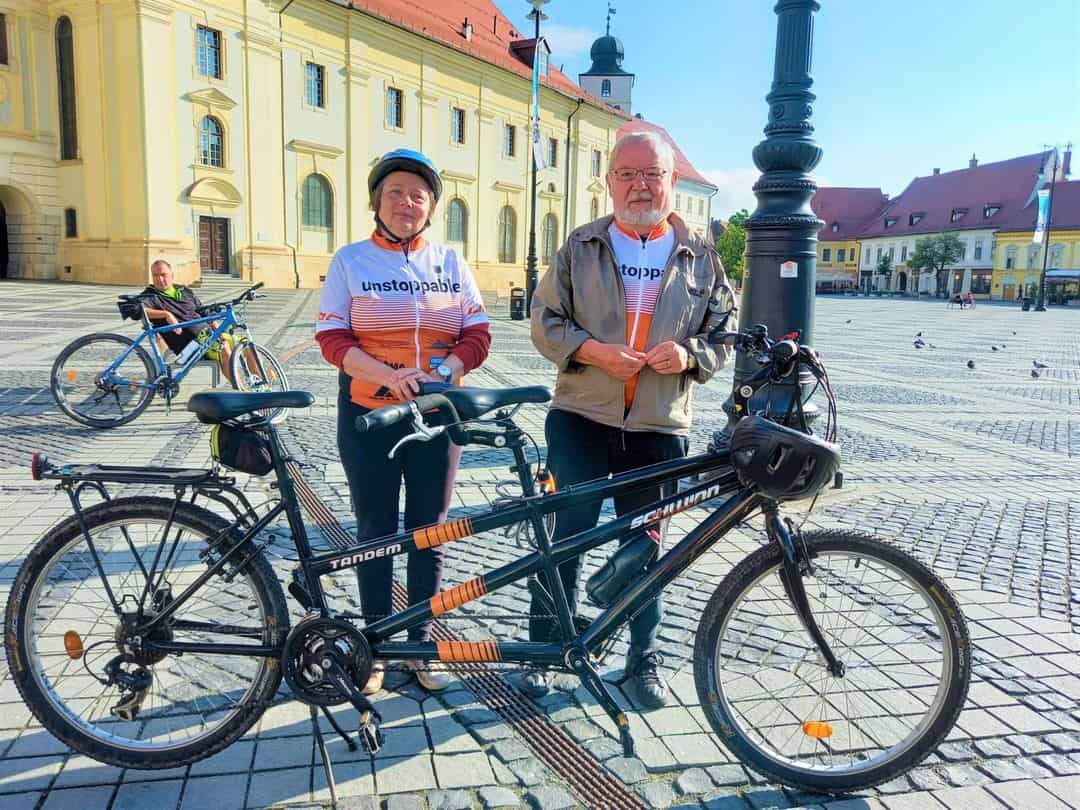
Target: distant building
973	203
845	212
605	79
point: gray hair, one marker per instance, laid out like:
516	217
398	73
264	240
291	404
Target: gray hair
662	148
156	262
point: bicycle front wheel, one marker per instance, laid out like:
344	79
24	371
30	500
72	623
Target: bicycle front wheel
888	619
88	678
254	368
86	393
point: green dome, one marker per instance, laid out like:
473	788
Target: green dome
607	56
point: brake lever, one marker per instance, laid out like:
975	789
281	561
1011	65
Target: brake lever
421	431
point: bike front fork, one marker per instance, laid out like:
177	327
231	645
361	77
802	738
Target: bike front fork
795	565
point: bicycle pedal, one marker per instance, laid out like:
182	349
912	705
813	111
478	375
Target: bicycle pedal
371	736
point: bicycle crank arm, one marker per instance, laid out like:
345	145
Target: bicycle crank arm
371	738
578	660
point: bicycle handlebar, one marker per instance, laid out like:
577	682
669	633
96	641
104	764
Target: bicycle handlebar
218	306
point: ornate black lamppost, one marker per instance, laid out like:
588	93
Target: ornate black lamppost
781	234
530	260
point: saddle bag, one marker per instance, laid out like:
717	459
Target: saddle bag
242	449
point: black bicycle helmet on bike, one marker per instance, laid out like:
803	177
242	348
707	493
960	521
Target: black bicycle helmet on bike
780	462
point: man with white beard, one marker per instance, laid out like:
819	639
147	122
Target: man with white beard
624	312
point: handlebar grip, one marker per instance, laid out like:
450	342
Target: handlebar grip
392	414
258	286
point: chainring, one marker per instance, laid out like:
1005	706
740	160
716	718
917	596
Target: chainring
305	648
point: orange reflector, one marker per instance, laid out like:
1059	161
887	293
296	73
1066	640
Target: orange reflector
818	729
72	374
73	645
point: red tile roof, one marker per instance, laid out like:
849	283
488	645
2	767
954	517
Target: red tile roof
1065	213
682	164
849	208
1007	183
491	36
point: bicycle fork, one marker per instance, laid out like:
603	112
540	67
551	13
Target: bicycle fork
795	565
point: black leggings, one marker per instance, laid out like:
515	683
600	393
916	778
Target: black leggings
581	450
428	469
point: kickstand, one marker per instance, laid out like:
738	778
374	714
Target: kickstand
590	678
327	767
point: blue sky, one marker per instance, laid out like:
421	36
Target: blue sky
902	87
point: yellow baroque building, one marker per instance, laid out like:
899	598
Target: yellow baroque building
236	136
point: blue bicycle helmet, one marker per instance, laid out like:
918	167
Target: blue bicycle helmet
406	160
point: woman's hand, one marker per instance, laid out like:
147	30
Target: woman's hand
405	383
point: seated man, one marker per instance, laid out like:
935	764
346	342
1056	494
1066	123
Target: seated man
168	303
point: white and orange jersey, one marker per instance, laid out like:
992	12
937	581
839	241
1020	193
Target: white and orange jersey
641	264
405	308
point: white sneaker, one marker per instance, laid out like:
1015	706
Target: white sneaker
429	675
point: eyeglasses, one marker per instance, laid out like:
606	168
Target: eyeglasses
651	175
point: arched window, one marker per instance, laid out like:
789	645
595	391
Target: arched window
317	202
211	142
457	221
507	235
550	237
65	81
594	209
605	88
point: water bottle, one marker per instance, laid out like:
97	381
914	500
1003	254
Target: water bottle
188	352
625	565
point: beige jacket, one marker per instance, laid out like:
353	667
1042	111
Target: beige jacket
581	296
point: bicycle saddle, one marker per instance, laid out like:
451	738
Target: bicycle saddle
216	406
472	403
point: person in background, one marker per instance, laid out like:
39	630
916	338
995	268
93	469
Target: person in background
398	310
624	312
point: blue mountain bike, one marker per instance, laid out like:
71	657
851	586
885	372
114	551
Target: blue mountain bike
105	380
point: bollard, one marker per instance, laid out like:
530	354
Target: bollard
517	304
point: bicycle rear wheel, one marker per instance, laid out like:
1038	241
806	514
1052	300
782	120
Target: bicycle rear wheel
84	393
254	368
768	695
191	705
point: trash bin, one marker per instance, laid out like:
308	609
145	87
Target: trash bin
1027	304
517	304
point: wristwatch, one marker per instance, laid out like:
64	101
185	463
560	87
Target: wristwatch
445	372
691	362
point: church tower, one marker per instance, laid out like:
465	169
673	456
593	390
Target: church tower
606	79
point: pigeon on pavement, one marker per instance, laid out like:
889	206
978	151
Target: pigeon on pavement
994	348
1035	373
1037	364
971	364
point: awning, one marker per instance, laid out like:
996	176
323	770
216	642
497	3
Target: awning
1063	274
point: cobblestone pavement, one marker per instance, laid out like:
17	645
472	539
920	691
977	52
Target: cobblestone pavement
975	470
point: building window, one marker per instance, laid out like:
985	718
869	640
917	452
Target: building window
549	241
71	224
963	251
507	235
980	283
957	214
314	84
903	253
891	254
596	158
914	219
978	248
879	254
701	207
678	201
605	88
457	125
1033	255
1010	257
553	153
457	222
839	254
890	221
395	108
211	142
594	209
317	202
990	210
208	43
510	141
836	227
1057	253
65	79
826	254
3	40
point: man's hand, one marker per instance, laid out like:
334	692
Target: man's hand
617	359
170	318
668	358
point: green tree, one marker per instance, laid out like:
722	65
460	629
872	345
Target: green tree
933	254
732	245
884	269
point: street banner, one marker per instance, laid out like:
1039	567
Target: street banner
534	121
1040	222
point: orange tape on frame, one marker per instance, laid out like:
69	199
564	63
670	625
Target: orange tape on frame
456	597
442	533
468	651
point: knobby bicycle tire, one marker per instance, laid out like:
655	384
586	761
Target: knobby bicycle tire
253	368
802	734
80	402
182	718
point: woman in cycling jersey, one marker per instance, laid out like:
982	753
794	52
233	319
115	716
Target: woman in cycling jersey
398	310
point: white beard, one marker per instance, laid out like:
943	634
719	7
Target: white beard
645	218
